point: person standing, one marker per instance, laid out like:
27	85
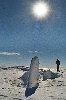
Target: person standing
58	63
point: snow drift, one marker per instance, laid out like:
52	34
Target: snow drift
49	75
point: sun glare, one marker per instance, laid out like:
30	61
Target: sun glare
40	10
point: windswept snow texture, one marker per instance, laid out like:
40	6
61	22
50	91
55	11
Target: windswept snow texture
12	86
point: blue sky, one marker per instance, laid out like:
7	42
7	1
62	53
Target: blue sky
22	36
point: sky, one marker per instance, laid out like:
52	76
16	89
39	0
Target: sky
23	36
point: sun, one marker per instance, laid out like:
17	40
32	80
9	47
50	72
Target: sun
40	9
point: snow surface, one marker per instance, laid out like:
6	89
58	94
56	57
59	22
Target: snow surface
13	83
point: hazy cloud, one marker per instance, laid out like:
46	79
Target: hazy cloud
8	53
30	51
34	52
